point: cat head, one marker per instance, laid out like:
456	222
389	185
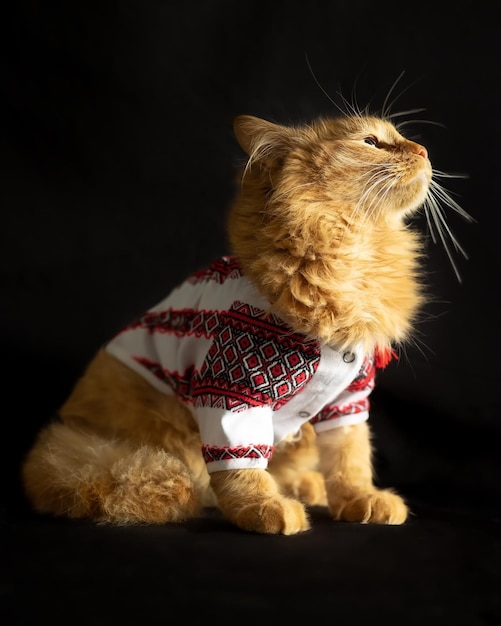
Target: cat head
319	225
360	164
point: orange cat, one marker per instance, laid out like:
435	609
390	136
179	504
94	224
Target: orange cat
248	387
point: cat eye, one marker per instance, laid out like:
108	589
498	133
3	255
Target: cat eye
371	141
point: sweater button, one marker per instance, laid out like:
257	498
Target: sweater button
304	414
348	357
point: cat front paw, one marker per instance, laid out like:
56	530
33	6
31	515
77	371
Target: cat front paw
376	507
273	517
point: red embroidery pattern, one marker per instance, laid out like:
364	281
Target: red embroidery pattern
180	322
179	383
254	361
365	379
256	451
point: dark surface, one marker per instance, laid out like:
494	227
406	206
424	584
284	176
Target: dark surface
440	568
117	166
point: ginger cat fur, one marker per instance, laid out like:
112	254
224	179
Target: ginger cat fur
320	226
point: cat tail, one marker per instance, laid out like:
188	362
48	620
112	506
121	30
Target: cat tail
73	473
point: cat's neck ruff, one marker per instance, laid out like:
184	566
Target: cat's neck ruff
361	291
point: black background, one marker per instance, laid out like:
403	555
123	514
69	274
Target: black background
117	166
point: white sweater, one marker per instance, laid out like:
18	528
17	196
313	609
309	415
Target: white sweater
247	378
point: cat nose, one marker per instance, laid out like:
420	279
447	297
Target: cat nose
420	150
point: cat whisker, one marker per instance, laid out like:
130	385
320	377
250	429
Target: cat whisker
376	194
442	194
352	106
401	125
379	198
259	152
433	204
431	229
432	210
392	116
421	347
326	94
440	174
287	192
387	106
354	102
377	185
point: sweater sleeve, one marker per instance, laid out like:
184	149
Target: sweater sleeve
236	440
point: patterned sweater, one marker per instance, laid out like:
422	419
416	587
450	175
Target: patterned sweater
247	378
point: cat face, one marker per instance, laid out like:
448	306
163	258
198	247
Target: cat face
358	166
390	175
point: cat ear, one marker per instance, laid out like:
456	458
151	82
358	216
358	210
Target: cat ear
260	139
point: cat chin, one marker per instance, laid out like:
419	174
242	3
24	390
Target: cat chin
423	177
406	208
418	191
